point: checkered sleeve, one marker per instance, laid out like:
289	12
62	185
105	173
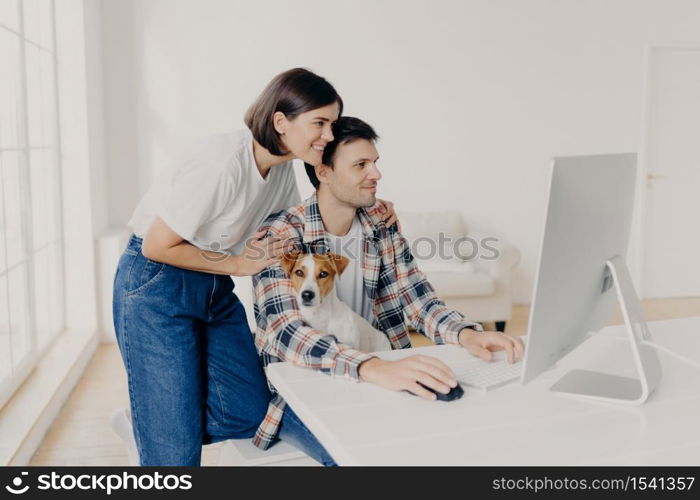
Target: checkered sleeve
422	307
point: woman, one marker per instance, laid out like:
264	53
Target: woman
193	372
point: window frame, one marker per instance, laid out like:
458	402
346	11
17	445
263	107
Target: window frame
34	348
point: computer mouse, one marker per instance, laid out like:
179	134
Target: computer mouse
455	393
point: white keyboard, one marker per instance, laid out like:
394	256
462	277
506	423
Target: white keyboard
486	375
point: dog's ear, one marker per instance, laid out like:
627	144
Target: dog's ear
288	260
339	262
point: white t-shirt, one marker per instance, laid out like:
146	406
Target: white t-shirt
350	285
216	198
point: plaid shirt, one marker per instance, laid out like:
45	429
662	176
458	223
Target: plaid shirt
399	289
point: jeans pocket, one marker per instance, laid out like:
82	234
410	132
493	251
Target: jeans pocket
143	274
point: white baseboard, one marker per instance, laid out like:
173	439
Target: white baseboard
28	415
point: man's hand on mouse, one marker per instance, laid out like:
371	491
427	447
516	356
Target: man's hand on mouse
404	375
481	344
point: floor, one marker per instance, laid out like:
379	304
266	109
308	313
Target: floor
81	434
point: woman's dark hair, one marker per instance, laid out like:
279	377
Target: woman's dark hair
346	129
293	92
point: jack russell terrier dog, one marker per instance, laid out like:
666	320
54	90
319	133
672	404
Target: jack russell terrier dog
313	277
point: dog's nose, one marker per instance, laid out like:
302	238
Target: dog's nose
307	295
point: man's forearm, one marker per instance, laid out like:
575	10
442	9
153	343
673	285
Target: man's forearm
464	334
367	367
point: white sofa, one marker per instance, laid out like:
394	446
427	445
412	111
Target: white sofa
471	273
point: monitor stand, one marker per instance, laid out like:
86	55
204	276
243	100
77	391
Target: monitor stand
614	388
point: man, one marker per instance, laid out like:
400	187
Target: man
386	287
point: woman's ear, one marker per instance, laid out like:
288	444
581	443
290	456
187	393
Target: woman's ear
279	121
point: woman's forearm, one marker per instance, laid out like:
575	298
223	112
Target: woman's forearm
187	256
162	244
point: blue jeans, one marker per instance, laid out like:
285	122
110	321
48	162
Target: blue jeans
293	431
193	372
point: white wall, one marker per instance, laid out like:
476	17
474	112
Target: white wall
95	114
80	163
471	97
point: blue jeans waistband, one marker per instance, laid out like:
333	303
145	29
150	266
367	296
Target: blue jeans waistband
135	243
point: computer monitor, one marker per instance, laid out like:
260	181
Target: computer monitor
581	274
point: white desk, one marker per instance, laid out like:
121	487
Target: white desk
362	424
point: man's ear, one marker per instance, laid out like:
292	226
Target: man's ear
339	262
323	171
288	260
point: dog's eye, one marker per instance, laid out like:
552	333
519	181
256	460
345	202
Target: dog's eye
323	274
299	272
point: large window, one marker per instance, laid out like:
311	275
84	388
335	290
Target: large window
31	246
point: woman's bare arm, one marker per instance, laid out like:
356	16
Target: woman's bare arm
162	244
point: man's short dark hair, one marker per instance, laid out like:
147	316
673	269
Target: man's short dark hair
345	130
293	92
